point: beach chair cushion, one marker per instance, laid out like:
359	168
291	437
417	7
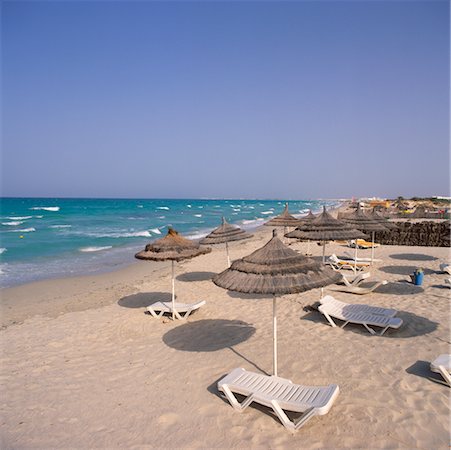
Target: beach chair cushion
279	394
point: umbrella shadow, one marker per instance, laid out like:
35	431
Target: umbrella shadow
412	326
195	276
208	335
413	257
211	335
400	287
144	299
404	270
423	369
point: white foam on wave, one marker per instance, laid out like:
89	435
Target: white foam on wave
25	230
94	249
155	230
2	250
13	224
199	235
197	215
267	212
46	208
237	209
162	217
188	206
140	206
19	217
163	207
60	226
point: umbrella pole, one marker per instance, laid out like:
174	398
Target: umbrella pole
324	252
274	324
228	258
173	292
372	248
308	248
355	257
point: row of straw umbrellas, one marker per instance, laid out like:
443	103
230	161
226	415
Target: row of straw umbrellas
275	269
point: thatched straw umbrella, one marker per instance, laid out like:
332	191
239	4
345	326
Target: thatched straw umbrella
283	220
308	218
277	270
325	228
375	215
361	221
172	247
225	233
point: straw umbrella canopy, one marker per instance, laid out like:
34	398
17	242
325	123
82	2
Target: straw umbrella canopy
324	228
225	233
383	220
308	218
172	247
359	220
283	220
277	270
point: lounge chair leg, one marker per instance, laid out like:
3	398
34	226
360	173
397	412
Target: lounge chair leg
329	319
240	407
287	423
370	329
445	374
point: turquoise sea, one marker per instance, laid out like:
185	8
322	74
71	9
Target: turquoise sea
51	237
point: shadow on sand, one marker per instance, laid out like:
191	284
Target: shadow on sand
423	369
413	257
196	276
208	335
144	299
405	270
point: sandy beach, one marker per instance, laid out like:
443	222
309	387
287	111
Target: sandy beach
83	366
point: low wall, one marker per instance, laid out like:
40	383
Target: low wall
430	234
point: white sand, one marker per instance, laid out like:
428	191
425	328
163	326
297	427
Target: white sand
95	371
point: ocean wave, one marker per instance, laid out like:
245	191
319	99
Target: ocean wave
2	250
267	212
140	206
195	236
163	207
197	215
25	230
162	217
237	209
94	249
45	208
155	230
13	224
19	218
60	226
188	206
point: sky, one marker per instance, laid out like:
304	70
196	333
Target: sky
288	100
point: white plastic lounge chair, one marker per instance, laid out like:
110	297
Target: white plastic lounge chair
358	307
279	394
365	315
363	244
354	280
361	290
358	259
446	267
159	308
442	365
339	264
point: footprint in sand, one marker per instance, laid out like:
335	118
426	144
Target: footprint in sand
169	419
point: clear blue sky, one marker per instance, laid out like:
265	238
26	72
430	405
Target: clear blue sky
225	99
